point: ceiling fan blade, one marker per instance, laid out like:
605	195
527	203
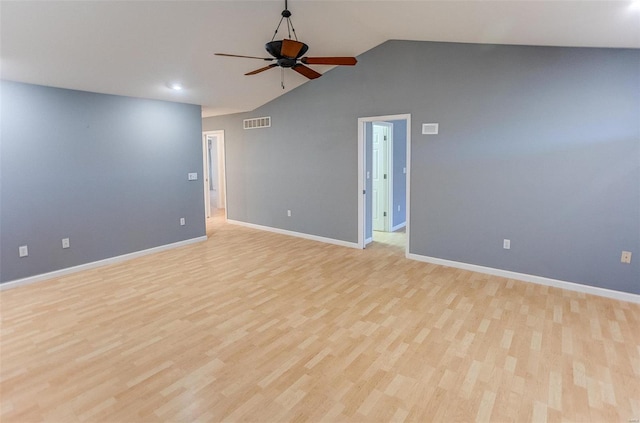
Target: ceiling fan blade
273	65
291	48
308	72
245	57
344	61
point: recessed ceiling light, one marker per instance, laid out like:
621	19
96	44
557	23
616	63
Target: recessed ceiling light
175	86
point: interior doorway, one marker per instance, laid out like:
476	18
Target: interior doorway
215	193
384	145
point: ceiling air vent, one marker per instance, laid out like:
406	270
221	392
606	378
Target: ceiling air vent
255	123
430	128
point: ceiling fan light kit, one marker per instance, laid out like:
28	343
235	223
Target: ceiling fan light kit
289	52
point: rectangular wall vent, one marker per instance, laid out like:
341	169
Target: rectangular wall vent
430	128
255	123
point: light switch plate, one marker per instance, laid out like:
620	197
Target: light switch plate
192	176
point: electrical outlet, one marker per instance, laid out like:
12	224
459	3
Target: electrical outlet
192	176
626	257
289	213
506	244
398	207
182	221
23	251
65	242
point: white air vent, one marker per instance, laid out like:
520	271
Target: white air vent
430	128
255	123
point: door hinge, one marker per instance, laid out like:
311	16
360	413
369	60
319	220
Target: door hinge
364	191
384	214
385	176
385	137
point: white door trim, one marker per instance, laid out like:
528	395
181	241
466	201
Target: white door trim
362	175
222	170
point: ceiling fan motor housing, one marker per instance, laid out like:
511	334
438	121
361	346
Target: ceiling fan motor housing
286	62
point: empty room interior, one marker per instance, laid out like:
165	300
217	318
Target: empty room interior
322	211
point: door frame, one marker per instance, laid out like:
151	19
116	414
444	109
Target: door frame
362	175
222	170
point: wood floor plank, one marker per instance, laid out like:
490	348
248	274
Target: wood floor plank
254	326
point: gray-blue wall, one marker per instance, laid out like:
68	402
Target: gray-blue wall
540	145
108	172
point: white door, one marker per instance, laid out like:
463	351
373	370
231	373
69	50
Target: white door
205	174
213	172
380	178
221	194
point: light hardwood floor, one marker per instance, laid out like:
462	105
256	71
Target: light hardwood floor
397	238
254	326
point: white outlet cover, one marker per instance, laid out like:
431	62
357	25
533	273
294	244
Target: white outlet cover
65	243
23	251
182	221
192	176
506	244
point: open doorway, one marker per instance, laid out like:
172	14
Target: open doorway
215	195
383	169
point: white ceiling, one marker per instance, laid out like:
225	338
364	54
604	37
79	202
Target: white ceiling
137	48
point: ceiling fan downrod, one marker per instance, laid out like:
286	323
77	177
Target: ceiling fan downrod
286	14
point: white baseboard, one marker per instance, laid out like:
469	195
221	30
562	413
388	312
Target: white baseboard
540	280
296	234
112	260
399	226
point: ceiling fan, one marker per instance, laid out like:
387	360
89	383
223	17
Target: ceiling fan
289	52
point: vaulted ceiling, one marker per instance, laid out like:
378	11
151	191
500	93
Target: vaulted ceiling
139	48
